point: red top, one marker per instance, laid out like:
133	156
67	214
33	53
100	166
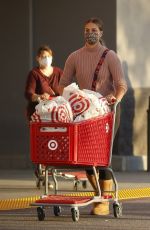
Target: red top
38	83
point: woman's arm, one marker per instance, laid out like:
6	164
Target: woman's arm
116	70
30	87
68	73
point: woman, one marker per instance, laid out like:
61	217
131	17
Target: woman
42	81
109	82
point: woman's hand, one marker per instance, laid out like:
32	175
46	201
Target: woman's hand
111	99
44	96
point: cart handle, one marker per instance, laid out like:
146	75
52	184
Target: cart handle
53	129
114	106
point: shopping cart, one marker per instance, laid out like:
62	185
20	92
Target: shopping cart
86	144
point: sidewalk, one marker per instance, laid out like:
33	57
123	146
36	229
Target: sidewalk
22	183
18	189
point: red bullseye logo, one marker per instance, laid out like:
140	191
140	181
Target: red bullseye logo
79	104
52	145
61	114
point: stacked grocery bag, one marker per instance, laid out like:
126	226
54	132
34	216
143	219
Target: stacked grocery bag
74	105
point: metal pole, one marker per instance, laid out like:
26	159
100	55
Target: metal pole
46	180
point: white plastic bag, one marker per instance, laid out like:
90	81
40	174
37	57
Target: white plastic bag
55	110
99	101
85	104
77	98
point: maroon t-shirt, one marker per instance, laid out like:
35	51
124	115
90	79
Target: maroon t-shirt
38	83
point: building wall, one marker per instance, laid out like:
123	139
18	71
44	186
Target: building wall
25	25
14	62
60	24
133	47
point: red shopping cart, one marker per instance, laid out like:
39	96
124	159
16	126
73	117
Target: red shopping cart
74	145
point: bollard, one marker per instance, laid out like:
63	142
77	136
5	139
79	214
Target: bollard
148	137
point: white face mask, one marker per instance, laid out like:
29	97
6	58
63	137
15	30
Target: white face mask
45	61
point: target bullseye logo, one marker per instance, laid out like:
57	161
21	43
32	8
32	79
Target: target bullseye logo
61	114
52	145
79	104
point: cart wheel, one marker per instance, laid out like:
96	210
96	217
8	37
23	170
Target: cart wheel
84	184
40	213
117	210
75	214
57	210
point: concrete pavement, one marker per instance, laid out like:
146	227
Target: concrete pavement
16	184
22	183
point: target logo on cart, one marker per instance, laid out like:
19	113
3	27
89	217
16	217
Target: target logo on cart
52	145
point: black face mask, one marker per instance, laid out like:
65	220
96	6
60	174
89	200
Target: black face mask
91	38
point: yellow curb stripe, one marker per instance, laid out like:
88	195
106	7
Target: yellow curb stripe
134	193
21	203
18	203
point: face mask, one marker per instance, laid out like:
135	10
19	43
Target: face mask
46	61
91	38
